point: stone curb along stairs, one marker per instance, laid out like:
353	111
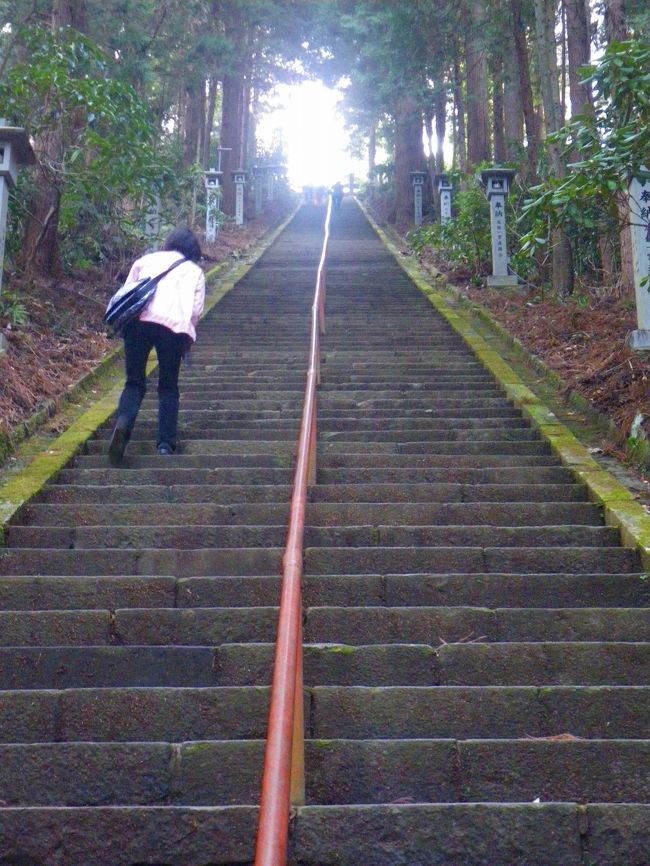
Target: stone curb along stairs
476	639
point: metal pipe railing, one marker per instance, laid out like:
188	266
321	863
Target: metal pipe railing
283	780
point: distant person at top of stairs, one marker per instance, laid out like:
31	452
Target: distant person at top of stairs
167	324
337	195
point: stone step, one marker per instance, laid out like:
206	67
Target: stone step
435	626
318	514
393	590
485	712
122	836
221	773
126	714
427	419
189	536
500	475
160	493
330	403
410	590
447	625
179	563
439	491
528	834
66	667
331	712
193	453
171	476
468	560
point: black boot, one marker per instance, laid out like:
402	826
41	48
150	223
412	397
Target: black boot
119	440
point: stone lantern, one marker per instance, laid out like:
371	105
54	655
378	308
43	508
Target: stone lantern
497	181
15	150
417	179
639	205
445	188
213	204
239	179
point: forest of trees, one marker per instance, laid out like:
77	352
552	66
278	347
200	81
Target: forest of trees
127	100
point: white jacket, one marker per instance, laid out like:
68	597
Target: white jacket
178	301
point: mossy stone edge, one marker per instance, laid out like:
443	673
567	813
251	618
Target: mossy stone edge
621	510
24	485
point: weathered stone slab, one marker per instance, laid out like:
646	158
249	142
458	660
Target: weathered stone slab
28	717
85	774
618	835
475	664
195	626
427	625
398	712
438	835
612	712
108	666
122	836
610	771
169	714
54	628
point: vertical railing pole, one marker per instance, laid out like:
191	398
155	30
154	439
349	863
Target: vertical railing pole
297	788
313	435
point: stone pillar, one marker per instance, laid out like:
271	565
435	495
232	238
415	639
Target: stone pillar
258	182
417	179
639	204
239	177
15	150
496	181
212	204
445	189
270	182
351	184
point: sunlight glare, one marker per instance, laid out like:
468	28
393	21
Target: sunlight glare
305	118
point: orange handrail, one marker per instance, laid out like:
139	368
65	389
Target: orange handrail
283	781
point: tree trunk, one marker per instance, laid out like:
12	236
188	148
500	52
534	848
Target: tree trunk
40	249
460	138
372	150
194	113
616	21
579	52
478	128
498	114
231	127
232	121
617	31
69	13
209	123
562	254
513	110
409	157
441	127
531	119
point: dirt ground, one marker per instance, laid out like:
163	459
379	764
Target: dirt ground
581	338
64	337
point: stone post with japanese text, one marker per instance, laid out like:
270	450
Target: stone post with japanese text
639	204
496	182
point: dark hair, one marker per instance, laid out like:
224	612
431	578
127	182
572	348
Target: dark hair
183	240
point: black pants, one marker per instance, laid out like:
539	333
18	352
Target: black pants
139	339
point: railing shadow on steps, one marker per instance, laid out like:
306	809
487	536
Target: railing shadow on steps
283	780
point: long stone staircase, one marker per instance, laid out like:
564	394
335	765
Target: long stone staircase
477	658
